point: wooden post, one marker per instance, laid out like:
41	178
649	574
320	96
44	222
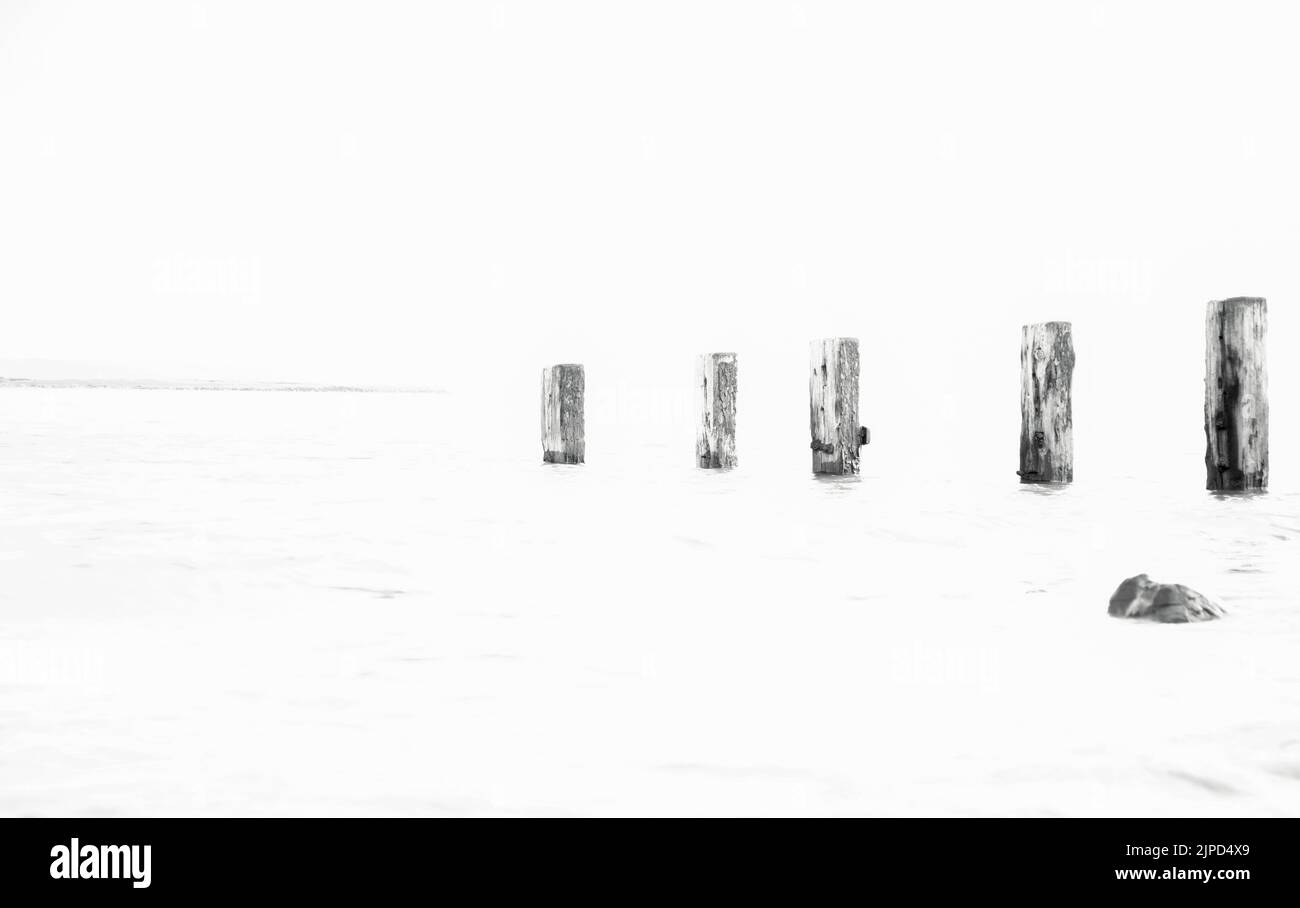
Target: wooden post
1236	394
1046	421
833	399
715	437
563	431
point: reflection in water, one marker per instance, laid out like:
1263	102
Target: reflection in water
1045	489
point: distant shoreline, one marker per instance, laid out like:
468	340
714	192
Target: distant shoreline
214	385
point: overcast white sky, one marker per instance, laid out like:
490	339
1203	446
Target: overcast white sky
399	192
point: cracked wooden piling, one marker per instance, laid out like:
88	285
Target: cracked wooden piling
1236	394
833	405
715	388
563	429
1046	417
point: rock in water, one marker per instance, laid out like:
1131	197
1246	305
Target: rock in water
1172	603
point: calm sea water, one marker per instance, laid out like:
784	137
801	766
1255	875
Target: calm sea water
288	603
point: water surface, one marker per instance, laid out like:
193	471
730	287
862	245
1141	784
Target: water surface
257	603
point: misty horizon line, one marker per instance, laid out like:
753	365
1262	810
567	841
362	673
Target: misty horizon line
35	372
139	384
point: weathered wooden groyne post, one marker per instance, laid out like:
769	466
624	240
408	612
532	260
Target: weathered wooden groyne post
563	429
1046	420
715	387
1236	394
833	403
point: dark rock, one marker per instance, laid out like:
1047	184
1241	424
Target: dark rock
1142	597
